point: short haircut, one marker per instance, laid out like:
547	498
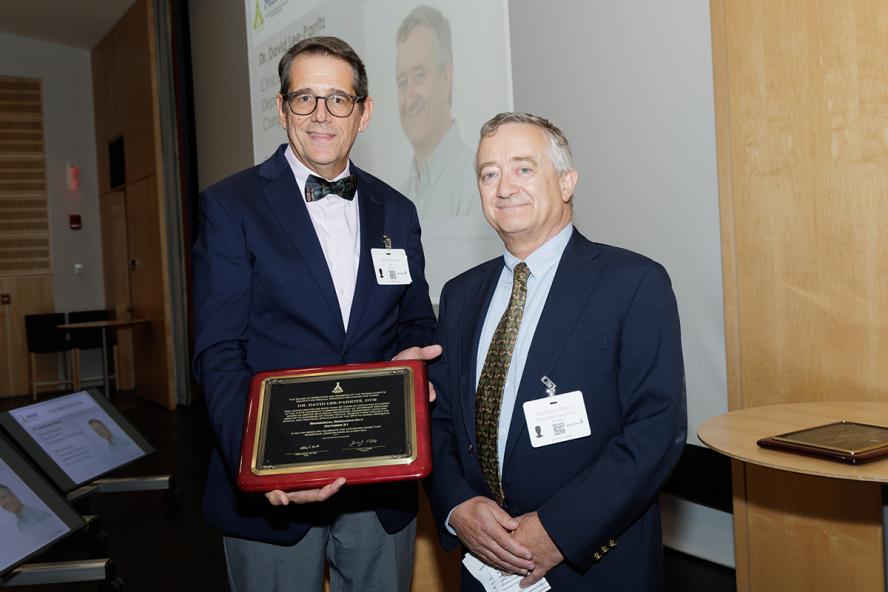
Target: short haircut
6	489
327	46
434	19
559	149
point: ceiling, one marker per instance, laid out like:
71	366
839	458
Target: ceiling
82	23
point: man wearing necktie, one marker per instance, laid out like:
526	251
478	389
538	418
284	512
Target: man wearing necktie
561	404
283	278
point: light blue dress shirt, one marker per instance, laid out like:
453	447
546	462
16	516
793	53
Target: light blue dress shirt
542	263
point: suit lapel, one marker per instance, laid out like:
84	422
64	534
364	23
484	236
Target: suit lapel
478	294
371	211
572	286
284	196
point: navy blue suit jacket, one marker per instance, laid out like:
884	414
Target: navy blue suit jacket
610	329
264	299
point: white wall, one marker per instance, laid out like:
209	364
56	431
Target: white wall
69	135
630	84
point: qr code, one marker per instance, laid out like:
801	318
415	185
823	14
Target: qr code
558	428
393	275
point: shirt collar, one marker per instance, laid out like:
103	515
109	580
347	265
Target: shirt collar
545	257
301	172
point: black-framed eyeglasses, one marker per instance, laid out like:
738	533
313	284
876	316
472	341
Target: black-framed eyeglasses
338	104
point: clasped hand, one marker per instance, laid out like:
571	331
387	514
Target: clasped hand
486	530
514	545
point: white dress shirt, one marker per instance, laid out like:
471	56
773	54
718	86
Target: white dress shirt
337	225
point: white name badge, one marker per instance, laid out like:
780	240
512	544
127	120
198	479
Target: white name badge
390	267
551	420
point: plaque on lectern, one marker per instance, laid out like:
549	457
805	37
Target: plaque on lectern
844	441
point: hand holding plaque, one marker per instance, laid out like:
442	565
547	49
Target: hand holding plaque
276	497
429	352
368	423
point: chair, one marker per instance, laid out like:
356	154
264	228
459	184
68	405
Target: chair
44	337
84	339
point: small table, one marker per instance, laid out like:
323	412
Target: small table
735	434
104	326
804	523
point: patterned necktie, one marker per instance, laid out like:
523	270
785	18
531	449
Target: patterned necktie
489	397
317	188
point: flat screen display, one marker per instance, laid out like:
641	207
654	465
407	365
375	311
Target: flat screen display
75	438
32	515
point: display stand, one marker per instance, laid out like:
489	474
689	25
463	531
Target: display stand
40	517
102	571
165	483
802	523
103	439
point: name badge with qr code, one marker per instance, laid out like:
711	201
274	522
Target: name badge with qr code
556	419
390	267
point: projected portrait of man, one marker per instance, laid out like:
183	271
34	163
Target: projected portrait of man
25	516
105	434
441	181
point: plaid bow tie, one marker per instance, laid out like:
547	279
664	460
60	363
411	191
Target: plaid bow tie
317	188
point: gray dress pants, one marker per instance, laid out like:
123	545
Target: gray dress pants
361	555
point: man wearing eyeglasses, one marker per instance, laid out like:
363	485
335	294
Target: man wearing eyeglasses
283	278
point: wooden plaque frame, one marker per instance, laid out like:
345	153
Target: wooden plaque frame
319	421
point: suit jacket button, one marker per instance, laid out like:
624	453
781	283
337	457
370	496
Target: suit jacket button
597	556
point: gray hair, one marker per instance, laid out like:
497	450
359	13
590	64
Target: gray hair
559	149
435	20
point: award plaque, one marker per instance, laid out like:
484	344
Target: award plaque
368	423
844	441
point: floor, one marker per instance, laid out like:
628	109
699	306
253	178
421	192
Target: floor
158	549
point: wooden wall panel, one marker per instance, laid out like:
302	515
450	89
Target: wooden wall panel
108	102
6	381
152	348
826	542
125	94
25	254
804	161
724	147
135	83
133	219
102	101
801	90
117	287
28	295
